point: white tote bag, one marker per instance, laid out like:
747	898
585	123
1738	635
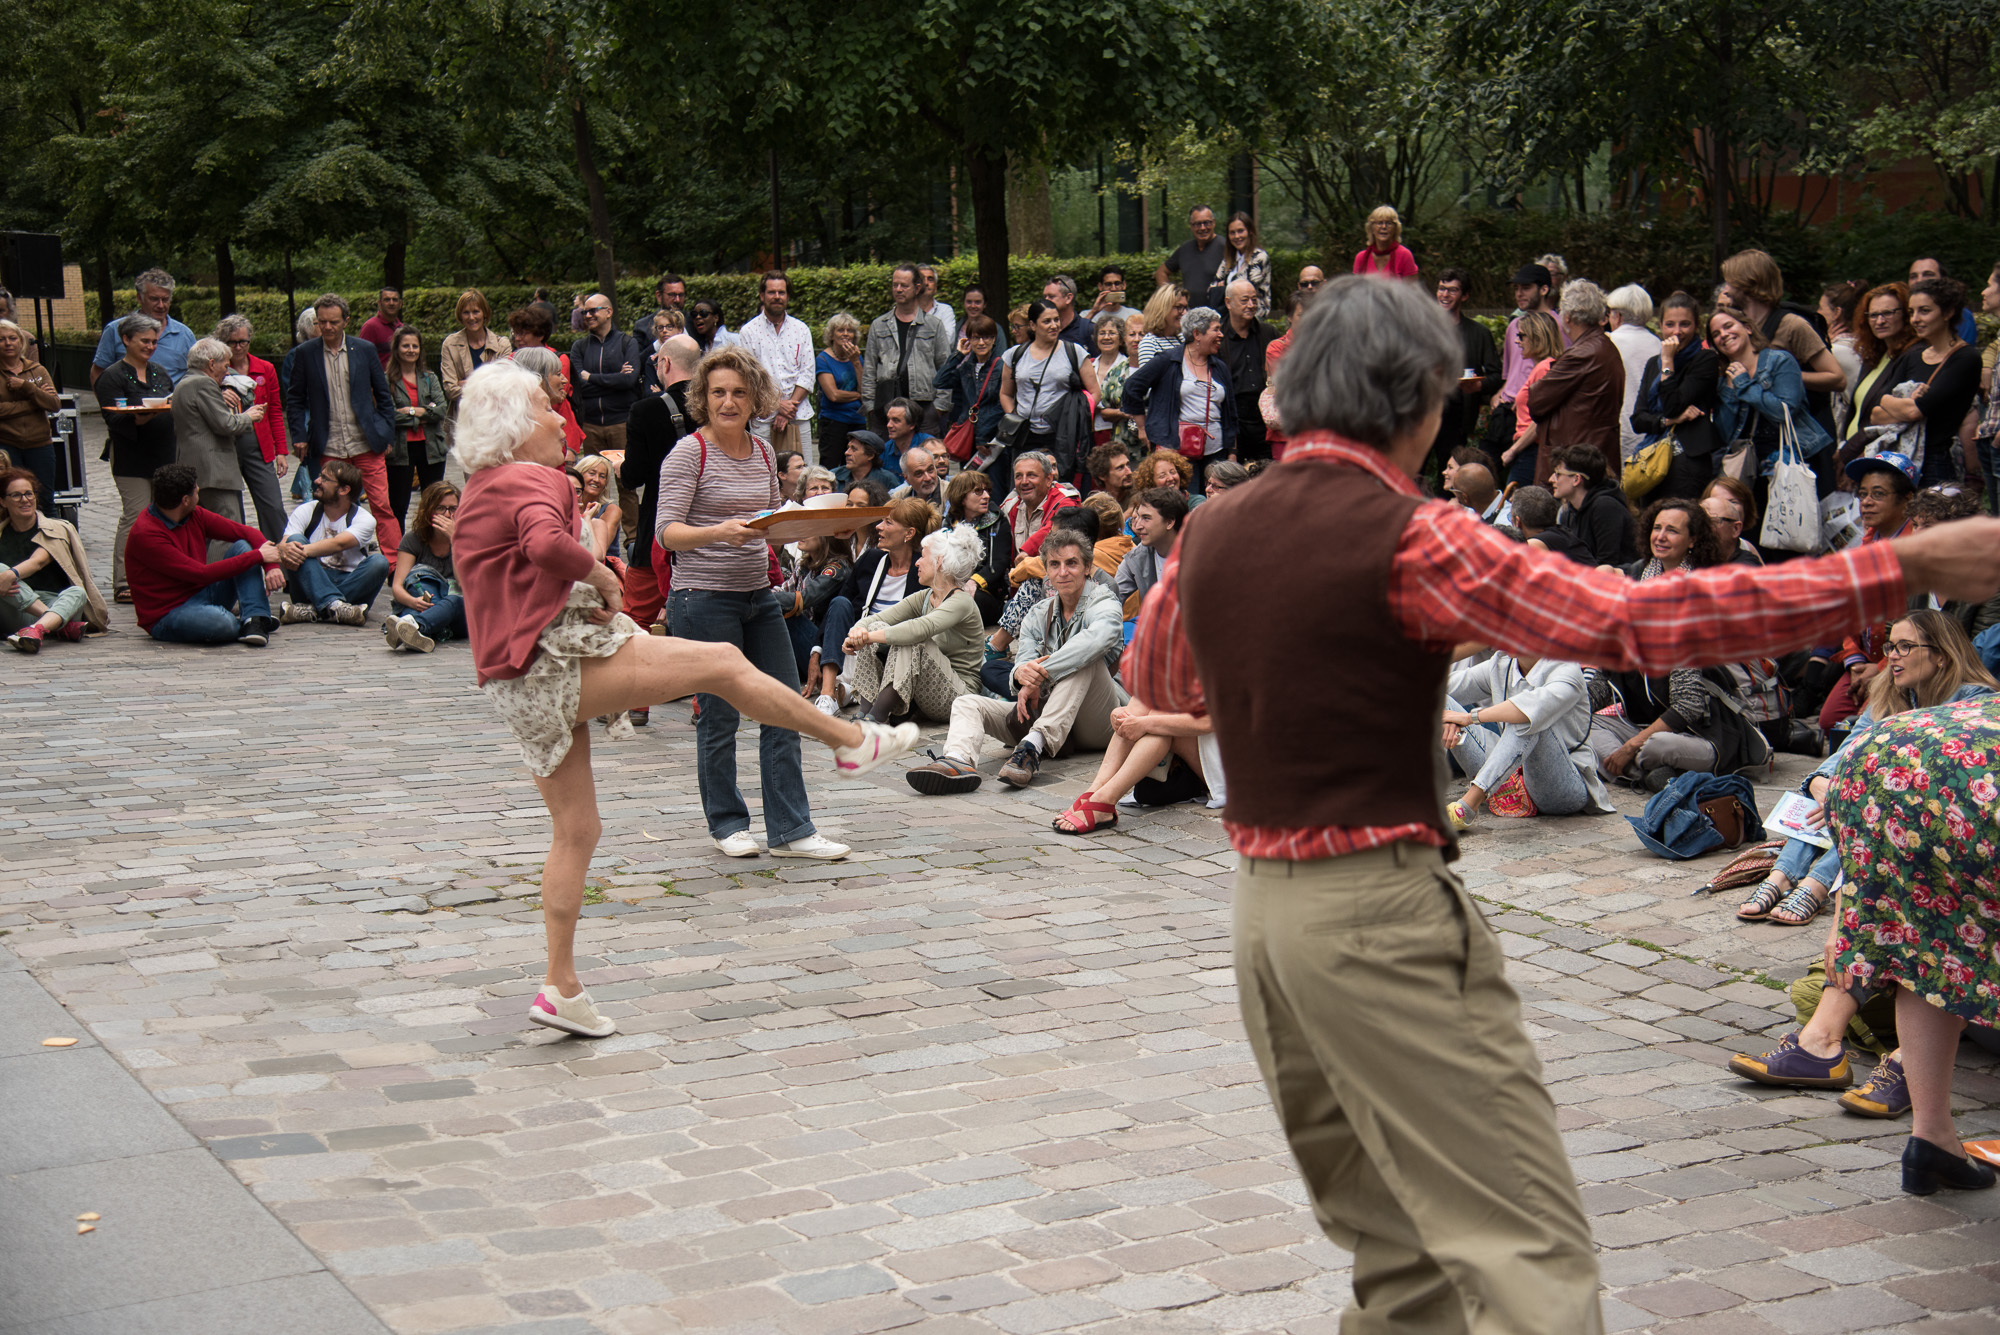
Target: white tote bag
1791	510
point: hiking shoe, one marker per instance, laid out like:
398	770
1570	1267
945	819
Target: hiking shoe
1790	1065
879	745
812	846
573	1015
412	636
1886	1094
28	639
73	631
1021	767
943	776
297	614
742	844
347	614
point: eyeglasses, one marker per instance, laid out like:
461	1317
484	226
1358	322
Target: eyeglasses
1902	648
1876	494
237	342
1873	316
1309	283
447	509
28	496
595	310
1566	475
1203	224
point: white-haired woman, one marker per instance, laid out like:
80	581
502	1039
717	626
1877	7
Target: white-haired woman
934	639
553	651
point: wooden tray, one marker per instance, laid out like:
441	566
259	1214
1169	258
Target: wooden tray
129	412
793	525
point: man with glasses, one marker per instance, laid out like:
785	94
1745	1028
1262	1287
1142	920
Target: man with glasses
1197	264
604	378
380	328
1312	278
1725	515
1111	295
1479	369
671	293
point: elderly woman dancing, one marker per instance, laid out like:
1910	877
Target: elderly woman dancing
553	651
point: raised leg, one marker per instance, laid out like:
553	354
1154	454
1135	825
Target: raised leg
652	669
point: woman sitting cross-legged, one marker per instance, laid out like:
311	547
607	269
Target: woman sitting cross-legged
932	641
1543	708
1142	741
424	589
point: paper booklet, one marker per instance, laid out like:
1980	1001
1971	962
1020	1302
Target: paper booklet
1788	818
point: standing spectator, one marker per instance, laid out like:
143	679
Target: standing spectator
973	372
973	301
1019	331
181	597
1188	401
27	397
1540	344
380	328
1481	360
1594	509
1196	265
1628	311
1558	268
329	553
1840	306
45	583
1110	299
470	346
784	344
604	370
546	365
206	428
155	289
722	594
904	351
1934	382
837	367
425	584
930	304
1760	390
657	423
1036	382
1931	267
1060	292
140	443
1245	340
1244	261
416	457
1758	290
339	402
1531	294
261	452
669	294
531	327
1163	314
1577	402
1384	254
1987	434
969	500
1882	336
1678	394
1111	363
705	323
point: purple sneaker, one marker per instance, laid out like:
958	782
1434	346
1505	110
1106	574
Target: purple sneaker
1886	1094
1791	1065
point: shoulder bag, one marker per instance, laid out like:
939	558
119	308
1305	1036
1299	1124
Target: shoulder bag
959	440
1194	437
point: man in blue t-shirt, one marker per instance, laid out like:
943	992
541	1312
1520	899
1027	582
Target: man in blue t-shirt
156	294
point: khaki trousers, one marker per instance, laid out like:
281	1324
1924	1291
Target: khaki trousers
1391	1043
1078	709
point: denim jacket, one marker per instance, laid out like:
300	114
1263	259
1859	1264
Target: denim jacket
1777	385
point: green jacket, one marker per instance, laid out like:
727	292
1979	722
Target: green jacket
431	405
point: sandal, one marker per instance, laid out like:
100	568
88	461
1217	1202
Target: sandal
1085	816
1758	907
1802	904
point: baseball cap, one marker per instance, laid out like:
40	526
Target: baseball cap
1538	274
1882	462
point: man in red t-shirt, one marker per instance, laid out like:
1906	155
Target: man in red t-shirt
382	325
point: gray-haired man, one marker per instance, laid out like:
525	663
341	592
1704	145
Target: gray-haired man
155	289
1061	292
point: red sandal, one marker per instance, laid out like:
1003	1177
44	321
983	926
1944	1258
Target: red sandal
1085	816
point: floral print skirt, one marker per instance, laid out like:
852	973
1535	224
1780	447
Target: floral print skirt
1915	810
539	706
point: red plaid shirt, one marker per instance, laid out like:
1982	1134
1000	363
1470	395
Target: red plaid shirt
1454	579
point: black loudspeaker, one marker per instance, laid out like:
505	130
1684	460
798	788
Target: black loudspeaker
33	264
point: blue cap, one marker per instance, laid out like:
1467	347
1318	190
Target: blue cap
1902	463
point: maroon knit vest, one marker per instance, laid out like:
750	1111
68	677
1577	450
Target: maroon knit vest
1326	713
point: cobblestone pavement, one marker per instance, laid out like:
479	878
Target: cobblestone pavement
980	1077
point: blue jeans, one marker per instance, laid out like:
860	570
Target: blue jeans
1550	775
805	638
840	618
442	620
323	586
205	617
1800	859
753	623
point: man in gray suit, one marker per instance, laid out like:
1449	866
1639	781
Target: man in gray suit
207	427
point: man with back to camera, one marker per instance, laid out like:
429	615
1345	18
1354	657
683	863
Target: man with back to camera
1372	988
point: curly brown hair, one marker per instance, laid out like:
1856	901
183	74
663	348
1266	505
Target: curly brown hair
1704	547
1146	476
763	390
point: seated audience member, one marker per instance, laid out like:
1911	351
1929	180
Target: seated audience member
817	482
1031	507
1543	708
815	579
1222	476
864	463
180	596
1535	511
791	466
1594	512
882	576
1883	486
1165	468
899	420
1945	505
923	478
425	586
327	552
1931	663
1104	524
1459	458
1157	514
1110	466
1732	511
929	643
1473	488
1064	691
1684	721
45	584
969	500
1143	742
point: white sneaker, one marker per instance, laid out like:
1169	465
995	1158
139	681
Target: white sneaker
412	635
573	1015
827	705
812	846
742	844
347	614
880	744
391	628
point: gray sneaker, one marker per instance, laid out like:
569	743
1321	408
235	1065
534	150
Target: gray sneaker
347	614
412	635
297	614
392	632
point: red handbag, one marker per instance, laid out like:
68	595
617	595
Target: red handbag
958	440
1194	439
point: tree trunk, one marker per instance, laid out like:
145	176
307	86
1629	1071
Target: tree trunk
107	310
1718	196
777	236
1030	216
395	261
225	278
600	209
986	175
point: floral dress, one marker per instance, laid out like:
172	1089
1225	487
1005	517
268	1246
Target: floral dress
1915	808
1126	432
